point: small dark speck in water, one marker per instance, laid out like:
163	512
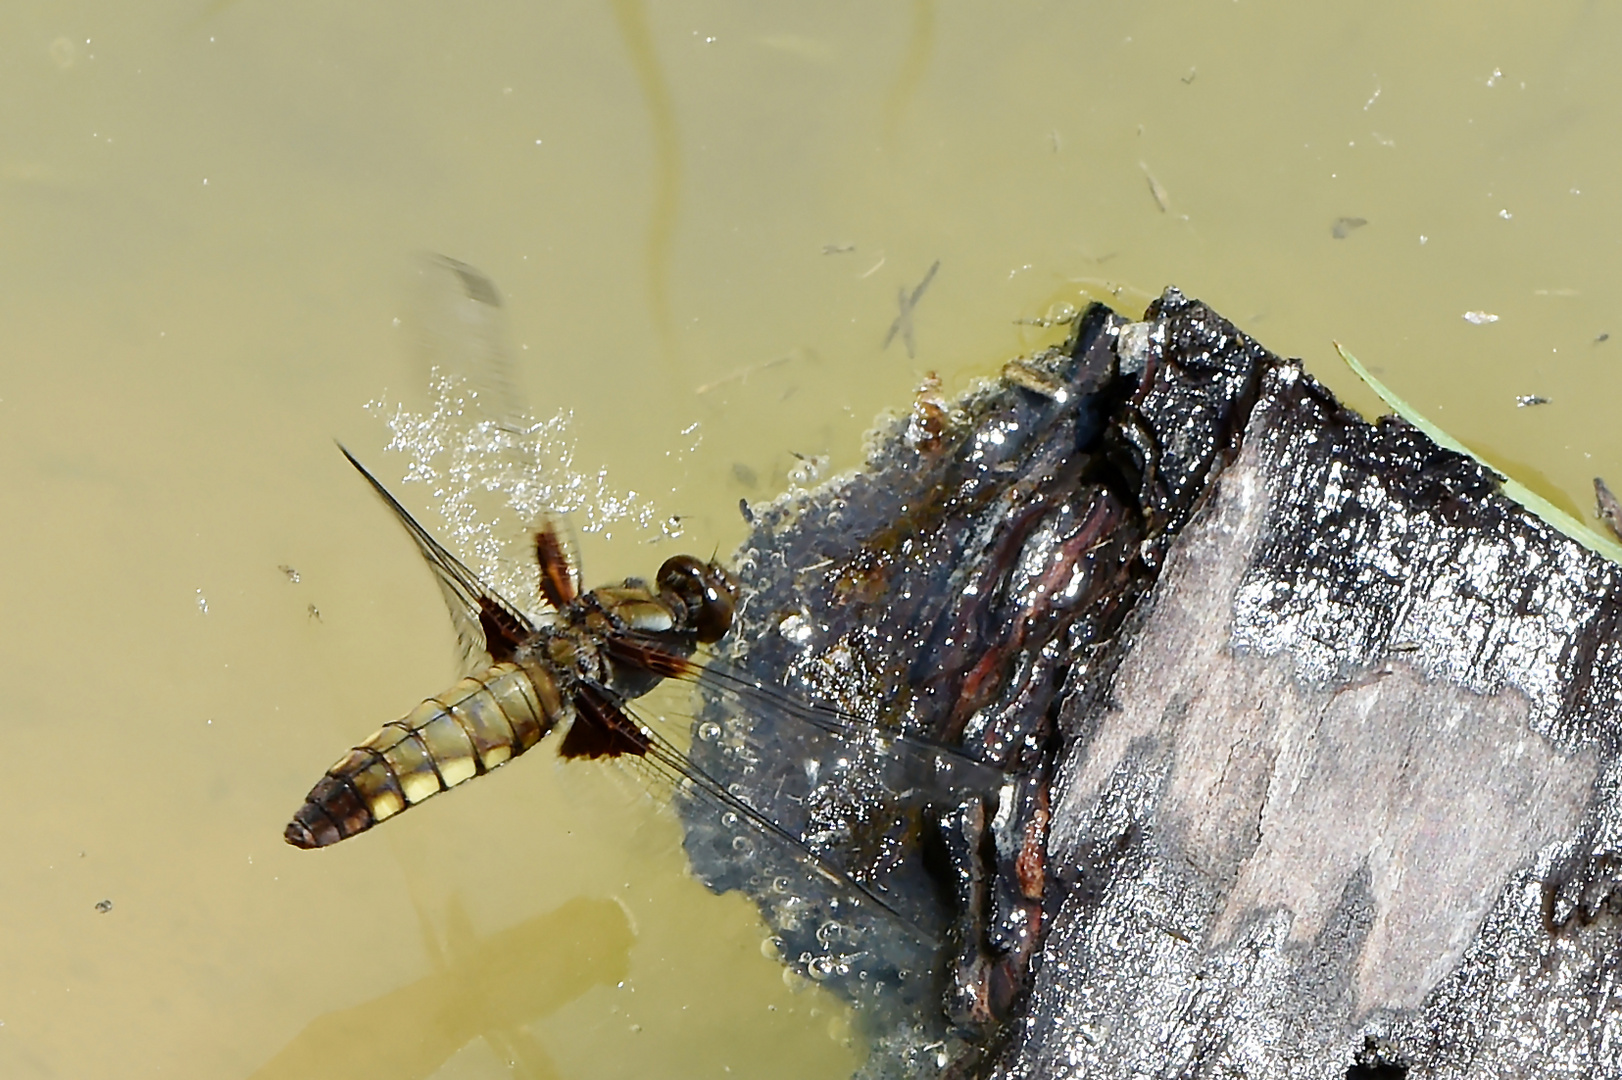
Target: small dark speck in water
1345	226
1603	337
744	474
1526	400
104	906
748	514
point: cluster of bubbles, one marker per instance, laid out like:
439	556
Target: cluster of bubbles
495	473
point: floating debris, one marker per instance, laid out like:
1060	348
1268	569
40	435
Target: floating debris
103	906
292	574
1162	199
741	375
930	412
1345	226
906	301
1526	400
1603	337
1480	318
1606	508
1062	312
838	249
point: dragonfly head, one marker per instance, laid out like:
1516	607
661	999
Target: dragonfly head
706	590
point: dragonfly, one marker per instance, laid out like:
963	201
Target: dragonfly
576	672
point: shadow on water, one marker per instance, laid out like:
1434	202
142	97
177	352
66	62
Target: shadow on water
488	988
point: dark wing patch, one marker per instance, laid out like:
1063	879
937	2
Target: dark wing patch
644	654
560	577
601	728
489	627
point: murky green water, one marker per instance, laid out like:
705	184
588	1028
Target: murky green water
699	214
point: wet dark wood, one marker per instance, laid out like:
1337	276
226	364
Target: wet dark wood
1313	733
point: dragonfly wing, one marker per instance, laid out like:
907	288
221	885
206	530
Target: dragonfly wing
463	331
489	628
910	765
670	766
559	559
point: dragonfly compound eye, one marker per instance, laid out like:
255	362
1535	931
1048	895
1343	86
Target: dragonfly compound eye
706	590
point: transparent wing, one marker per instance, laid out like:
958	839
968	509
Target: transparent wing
488	627
762	719
614	723
916	765
461	327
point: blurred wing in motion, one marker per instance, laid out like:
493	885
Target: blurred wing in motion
461	329
558	558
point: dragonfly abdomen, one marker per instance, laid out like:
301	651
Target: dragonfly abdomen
482	722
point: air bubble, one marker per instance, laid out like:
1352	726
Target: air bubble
709	731
831	933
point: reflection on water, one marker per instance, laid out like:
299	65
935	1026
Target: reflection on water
490	988
632	19
920	47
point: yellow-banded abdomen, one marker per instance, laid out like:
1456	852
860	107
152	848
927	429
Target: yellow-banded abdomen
482	722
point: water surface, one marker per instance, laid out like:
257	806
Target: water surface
699	214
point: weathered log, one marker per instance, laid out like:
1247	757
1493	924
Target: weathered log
1321	729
